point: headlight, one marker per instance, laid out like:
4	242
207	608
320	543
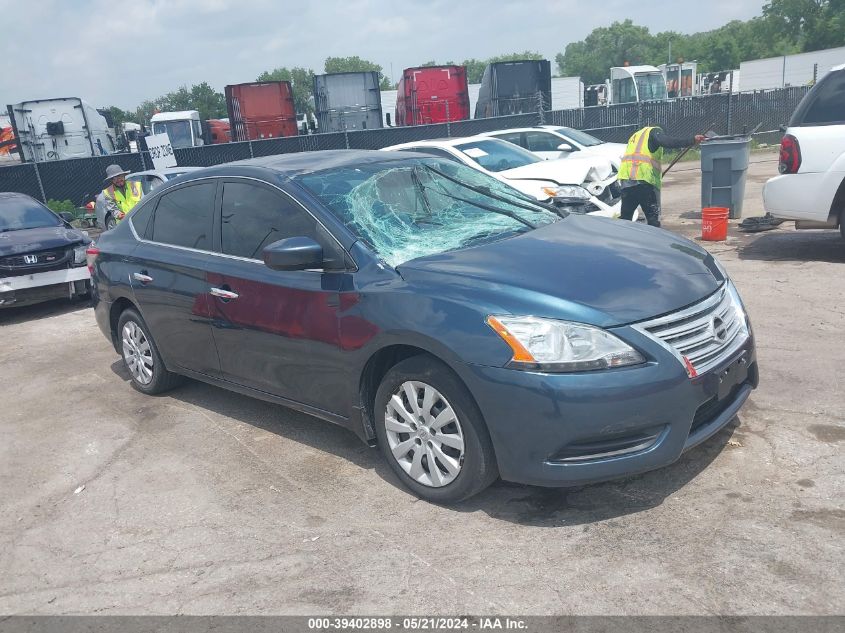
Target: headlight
79	256
562	346
567	191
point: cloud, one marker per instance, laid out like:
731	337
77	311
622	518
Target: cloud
120	52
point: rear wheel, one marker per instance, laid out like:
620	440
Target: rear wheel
431	432
141	357
110	222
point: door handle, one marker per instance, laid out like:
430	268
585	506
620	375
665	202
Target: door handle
222	293
144	279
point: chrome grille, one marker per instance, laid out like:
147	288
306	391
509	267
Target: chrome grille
705	333
42	260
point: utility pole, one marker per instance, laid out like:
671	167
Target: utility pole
669	61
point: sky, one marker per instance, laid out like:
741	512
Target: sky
116	52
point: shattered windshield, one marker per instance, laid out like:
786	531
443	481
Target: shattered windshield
409	209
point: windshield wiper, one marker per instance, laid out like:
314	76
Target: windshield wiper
488	192
487	207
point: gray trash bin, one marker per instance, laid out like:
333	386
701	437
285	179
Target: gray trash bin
724	163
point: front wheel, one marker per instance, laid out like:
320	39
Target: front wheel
432	433
110	222
141	357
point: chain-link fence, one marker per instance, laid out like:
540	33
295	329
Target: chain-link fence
80	179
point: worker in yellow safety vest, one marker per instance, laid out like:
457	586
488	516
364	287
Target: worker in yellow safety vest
640	173
120	195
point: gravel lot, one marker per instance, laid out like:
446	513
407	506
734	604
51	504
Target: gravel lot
203	501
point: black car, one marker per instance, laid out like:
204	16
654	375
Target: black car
466	329
41	255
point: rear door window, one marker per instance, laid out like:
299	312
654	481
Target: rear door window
517	138
543	141
828	105
184	217
254	216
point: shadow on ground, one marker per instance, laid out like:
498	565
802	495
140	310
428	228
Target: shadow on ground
515	503
55	307
795	246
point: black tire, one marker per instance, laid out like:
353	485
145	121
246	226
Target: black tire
109	223
478	465
161	379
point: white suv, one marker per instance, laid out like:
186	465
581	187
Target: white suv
811	187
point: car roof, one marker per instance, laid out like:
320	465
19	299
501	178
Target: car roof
165	171
446	142
6	195
295	164
534	128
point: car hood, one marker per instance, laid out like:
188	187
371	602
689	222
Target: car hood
593	270
563	171
41	239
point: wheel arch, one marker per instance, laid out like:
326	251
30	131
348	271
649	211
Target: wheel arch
117	308
376	367
837	207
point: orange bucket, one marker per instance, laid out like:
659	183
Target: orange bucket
714	223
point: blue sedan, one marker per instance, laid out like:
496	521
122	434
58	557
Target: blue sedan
465	329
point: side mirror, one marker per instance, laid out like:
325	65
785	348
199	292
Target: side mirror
565	147
293	253
387	117
67	217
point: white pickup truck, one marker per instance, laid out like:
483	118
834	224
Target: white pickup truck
811	187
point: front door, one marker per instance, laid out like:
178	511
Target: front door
167	272
277	331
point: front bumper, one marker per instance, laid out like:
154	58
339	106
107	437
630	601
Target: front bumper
25	289
573	429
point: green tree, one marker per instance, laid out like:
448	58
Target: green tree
301	80
200	97
120	116
355	64
475	69
811	24
592	58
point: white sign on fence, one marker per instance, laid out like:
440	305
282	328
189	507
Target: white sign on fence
161	151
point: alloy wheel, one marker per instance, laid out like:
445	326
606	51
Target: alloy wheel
137	353
424	434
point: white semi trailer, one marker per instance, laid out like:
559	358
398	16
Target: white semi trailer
55	129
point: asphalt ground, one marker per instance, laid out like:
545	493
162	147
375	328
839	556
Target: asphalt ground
203	501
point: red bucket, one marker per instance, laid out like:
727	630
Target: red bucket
714	224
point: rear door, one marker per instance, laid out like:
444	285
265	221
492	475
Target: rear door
169	279
277	331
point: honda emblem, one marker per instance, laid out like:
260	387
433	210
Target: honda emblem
30	259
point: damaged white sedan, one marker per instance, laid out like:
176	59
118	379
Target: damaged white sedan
583	185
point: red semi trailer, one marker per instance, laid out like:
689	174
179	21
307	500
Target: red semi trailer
261	110
432	94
